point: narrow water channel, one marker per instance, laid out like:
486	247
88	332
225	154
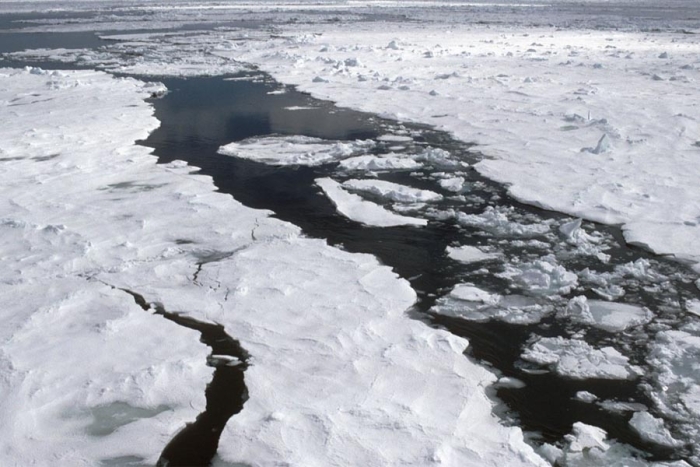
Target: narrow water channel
199	115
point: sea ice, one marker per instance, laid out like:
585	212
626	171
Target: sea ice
334	360
541	277
379	163
356	208
575	359
652	429
295	150
608	316
469	254
469	302
392	191
495	220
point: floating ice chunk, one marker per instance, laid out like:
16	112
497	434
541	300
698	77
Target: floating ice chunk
585	396
652	429
395	138
496	221
438	157
585	437
222	360
469	254
541	277
454	184
474	304
622	406
474	294
693	306
295	150
509	382
608	316
575	359
379	163
392	191
586	244
674	357
359	210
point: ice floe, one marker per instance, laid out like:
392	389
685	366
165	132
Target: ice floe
379	163
469	254
469	302
355	208
608	316
392	191
295	150
544	276
334	360
575	359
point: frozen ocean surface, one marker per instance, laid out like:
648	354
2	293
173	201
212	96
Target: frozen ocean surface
555	305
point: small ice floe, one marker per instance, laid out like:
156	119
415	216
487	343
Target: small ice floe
394	138
469	254
621	407
379	163
392	191
675	380
295	150
544	276
474	304
575	359
589	446
608	316
652	429
585	243
438	157
223	360
585	396
360	210
509	382
454	184
495	221
693	306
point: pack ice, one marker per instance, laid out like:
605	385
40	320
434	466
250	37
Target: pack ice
337	373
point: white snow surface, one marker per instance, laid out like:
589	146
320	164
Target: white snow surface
571	118
355	208
575	359
392	191
295	150
608	316
469	254
86	374
337	373
382	162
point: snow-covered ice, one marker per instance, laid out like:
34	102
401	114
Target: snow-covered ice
379	163
295	150
392	191
608	316
575	359
470	302
469	254
544	276
355	208
335	363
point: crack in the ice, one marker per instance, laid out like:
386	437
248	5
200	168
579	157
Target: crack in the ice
196	444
